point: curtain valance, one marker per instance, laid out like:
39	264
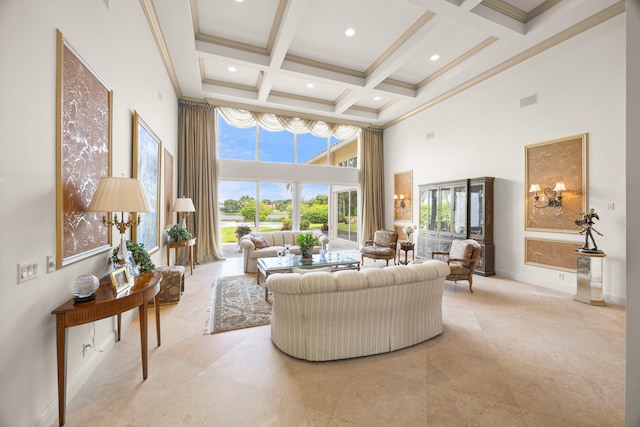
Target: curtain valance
274	123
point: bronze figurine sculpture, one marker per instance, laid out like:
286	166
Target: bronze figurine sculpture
586	222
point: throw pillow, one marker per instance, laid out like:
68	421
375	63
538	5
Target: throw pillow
260	242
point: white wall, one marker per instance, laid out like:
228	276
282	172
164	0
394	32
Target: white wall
114	38
482	132
632	396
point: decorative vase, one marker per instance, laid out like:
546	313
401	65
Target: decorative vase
84	288
306	252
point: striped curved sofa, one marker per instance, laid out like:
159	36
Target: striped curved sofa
344	314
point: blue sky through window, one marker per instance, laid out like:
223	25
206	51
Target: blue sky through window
236	143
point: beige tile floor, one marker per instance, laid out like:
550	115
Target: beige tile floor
511	354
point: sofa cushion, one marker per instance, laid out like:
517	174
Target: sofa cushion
377	250
317	282
377	277
351	280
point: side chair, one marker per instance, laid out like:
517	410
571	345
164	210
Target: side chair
383	246
462	259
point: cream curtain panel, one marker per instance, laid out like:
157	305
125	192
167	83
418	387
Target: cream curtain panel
274	123
198	176
372	182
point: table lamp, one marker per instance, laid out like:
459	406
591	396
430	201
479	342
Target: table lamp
184	205
120	195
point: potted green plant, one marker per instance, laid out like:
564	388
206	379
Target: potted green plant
306	241
177	233
140	256
242	230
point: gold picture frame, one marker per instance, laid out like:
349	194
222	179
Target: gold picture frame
147	149
169	215
83	155
403	196
120	279
547	163
554	254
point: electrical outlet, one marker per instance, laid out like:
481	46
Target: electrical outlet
51	264
561	276
611	206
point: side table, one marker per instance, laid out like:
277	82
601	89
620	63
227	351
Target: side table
181	244
406	247
145	287
589	278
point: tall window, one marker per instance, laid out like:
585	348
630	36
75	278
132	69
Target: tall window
236	143
274	180
348	215
276	146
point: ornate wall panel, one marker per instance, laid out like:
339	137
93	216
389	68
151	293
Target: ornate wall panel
561	160
560	255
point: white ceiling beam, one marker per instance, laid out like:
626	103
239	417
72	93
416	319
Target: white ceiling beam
461	15
407	51
292	16
206	50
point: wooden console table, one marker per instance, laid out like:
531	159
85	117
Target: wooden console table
145	287
181	244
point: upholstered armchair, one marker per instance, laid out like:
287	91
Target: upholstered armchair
462	259
383	246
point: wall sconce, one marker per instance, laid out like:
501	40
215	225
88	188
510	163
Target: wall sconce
551	198
399	201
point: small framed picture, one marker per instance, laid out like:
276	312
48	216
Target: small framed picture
120	279
132	267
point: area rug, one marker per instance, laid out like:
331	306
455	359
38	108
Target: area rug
237	302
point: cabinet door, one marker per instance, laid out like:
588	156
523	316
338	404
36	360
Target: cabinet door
459	217
476	210
429	209
446	210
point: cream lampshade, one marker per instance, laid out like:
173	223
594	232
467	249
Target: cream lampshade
120	195
184	205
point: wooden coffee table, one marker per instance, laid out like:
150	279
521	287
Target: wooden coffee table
335	260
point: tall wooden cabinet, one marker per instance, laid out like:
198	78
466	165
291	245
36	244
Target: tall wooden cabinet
461	209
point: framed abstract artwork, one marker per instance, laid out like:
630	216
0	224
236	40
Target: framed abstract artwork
83	155
146	167
547	165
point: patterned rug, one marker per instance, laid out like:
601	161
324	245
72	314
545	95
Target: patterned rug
237	302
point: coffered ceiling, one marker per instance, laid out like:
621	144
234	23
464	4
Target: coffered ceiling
294	58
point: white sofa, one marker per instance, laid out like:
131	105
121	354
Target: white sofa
276	240
344	314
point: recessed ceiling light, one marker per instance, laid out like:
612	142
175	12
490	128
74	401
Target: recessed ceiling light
310	85
376	98
231	68
239	1
435	57
350	32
